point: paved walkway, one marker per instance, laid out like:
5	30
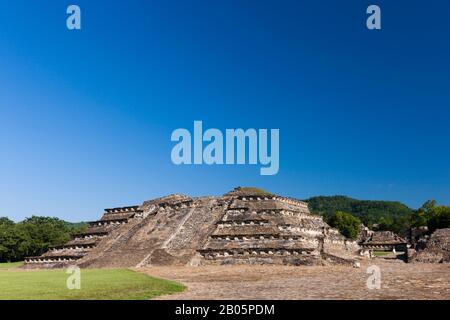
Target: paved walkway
398	281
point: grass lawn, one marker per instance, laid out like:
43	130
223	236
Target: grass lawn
10	265
96	284
381	253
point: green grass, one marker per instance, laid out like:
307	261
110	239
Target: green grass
381	253
10	265
96	284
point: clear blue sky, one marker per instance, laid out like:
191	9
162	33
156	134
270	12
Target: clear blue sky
86	116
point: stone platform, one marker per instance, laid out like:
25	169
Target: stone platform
244	226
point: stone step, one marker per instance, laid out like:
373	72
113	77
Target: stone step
214	254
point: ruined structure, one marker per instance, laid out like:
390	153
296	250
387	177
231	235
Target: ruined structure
381	241
243	226
434	248
84	242
416	233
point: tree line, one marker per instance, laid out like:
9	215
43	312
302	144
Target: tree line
33	236
347	215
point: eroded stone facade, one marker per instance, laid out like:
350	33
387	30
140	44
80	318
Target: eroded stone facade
241	227
382	241
434	248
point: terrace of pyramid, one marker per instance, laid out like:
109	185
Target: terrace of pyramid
244	226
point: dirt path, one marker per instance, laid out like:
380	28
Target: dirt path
398	281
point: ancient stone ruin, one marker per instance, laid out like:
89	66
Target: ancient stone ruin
432	249
245	226
382	241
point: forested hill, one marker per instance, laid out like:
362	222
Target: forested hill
389	215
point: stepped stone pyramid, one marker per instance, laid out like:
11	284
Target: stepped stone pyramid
245	226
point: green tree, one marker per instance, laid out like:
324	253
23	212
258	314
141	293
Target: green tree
428	206
44	232
33	236
6	222
439	218
346	223
13	242
420	217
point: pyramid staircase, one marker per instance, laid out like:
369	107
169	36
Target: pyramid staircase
243	226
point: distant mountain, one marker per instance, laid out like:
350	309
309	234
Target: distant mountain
382	215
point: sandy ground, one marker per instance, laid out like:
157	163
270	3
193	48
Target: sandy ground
399	280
